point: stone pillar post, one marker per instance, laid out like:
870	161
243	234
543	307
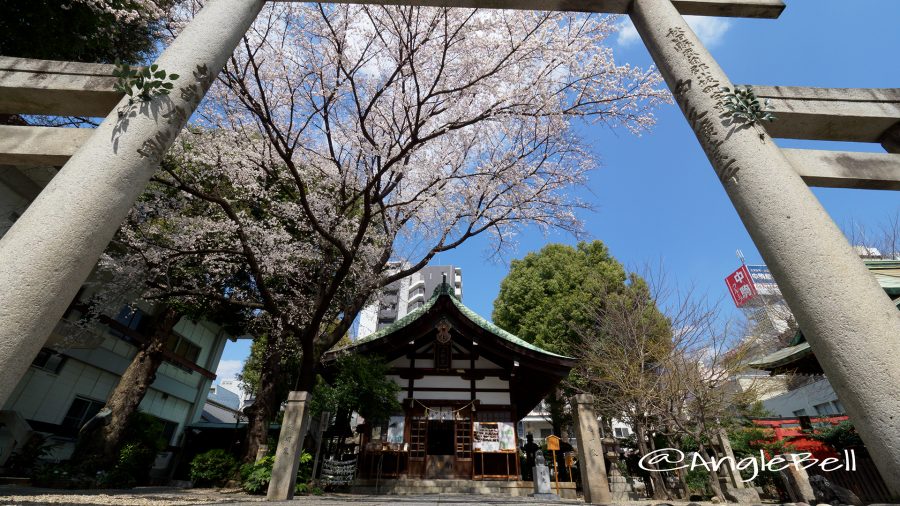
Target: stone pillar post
834	298
796	481
619	488
735	489
50	251
731	473
590	452
290	446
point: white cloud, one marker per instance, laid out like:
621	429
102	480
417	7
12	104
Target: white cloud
228	369
628	34
710	30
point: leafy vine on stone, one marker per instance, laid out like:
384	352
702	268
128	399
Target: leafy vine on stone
142	84
742	104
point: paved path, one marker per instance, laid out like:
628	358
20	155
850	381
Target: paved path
417	500
159	496
170	496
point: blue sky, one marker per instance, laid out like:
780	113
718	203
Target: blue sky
657	197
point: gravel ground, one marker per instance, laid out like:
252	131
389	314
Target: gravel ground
141	496
168	496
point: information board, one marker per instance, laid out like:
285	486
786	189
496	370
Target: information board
395	429
493	436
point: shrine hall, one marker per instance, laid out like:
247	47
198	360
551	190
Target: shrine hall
465	383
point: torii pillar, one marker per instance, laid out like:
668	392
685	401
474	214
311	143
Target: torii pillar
591	464
849	321
49	252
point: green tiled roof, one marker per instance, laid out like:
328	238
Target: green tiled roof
886	272
446	289
782	357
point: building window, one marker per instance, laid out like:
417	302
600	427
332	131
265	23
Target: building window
838	407
49	360
169	428
81	410
545	433
621	432
183	348
824	409
800	412
132	318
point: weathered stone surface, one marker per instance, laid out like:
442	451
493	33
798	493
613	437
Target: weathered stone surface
831	114
541	479
796	483
831	293
741	495
29	86
50	250
734	490
724	8
845	169
290	446
831	493
890	141
619	488
40	146
590	452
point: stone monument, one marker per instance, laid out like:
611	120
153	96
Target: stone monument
619	487
541	481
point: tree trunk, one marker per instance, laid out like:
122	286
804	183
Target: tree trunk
656	479
101	437
306	382
556	404
260	413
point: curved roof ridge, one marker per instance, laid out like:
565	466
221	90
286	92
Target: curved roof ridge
447	289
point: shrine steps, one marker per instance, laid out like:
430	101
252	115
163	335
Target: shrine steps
473	487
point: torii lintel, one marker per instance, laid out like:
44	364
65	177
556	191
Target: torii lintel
726	8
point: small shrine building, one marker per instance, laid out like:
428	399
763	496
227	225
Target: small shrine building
465	384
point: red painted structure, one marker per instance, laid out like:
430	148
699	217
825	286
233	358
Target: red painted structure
790	430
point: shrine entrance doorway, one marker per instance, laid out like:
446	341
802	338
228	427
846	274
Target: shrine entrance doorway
440	449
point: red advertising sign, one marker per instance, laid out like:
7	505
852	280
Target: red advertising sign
740	285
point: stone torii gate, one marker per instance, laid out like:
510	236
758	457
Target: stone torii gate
848	320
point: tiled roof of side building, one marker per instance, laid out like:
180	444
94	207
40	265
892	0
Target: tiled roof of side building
448	290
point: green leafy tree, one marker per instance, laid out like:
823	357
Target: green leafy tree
290	365
549	295
839	437
361	384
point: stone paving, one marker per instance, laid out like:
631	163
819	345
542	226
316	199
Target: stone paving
169	496
158	496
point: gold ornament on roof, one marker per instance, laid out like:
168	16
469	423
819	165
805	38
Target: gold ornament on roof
443	331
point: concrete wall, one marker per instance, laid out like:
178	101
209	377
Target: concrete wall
806	398
177	395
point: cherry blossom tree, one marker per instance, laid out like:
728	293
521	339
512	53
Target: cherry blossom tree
339	138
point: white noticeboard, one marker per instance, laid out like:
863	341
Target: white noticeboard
395	429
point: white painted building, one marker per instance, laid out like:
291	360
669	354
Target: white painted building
236	387
71	378
813	399
405	295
